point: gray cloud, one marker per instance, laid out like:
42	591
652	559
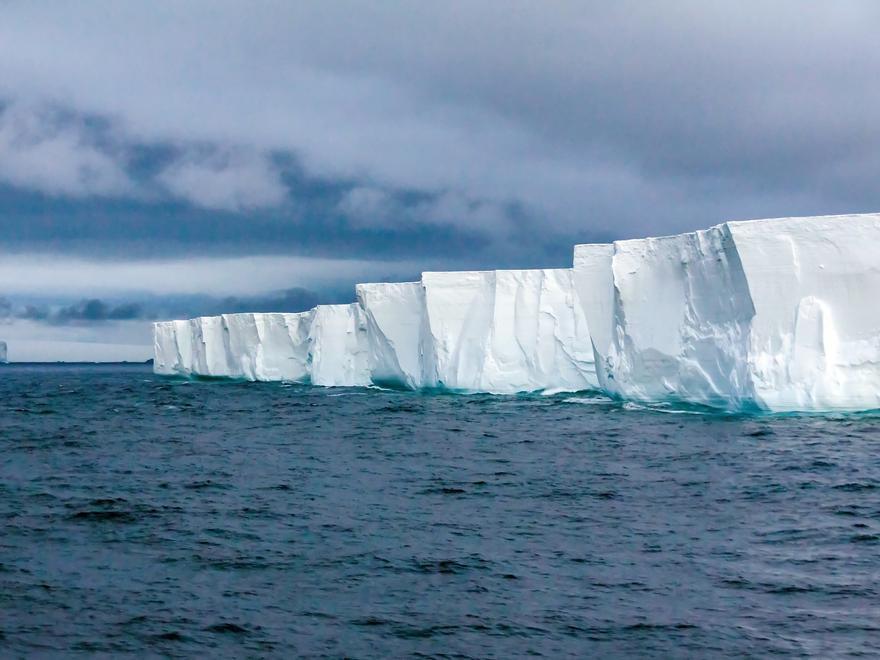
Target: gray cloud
46	151
229	180
96	311
91	310
556	121
290	300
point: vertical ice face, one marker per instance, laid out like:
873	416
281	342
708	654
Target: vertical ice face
186	355
242	343
815	338
282	346
778	314
339	348
251	346
458	313
394	317
166	360
4	356
210	341
680	321
593	285
506	331
538	337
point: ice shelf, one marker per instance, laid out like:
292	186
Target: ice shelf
779	315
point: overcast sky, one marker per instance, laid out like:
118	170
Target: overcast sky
163	158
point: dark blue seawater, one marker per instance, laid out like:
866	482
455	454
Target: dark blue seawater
150	517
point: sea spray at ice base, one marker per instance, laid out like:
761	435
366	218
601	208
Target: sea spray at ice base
779	315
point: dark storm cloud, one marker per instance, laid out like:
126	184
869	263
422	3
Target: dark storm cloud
88	310
491	130
292	300
95	310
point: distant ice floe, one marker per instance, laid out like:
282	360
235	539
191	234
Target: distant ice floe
778	315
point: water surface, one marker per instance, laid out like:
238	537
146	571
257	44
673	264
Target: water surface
145	516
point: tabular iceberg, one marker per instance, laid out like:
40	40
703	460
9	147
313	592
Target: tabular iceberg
777	315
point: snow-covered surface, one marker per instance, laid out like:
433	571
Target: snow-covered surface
774	314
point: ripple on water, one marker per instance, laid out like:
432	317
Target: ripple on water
144	516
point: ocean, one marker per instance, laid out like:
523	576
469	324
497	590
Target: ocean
144	517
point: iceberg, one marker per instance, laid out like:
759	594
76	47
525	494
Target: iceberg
774	315
4	355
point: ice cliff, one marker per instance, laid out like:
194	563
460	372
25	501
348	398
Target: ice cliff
251	346
493	331
505	331
770	314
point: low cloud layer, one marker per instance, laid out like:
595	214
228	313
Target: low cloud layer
89	311
224	148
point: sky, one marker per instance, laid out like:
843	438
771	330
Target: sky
167	159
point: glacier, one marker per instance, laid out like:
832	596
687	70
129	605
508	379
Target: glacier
773	315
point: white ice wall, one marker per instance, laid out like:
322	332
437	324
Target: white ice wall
506	331
815	284
458	314
680	318
283	346
166	361
496	331
394	315
339	347
593	286
779	314
251	346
